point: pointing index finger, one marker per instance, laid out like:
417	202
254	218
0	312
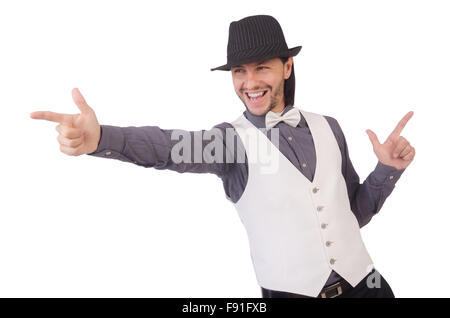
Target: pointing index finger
398	129
52	116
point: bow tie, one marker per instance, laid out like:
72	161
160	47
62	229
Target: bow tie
292	118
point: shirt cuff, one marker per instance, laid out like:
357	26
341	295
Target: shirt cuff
384	174
111	144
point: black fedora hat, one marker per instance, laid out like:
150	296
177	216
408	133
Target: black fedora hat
255	38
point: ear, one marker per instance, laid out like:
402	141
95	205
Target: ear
288	67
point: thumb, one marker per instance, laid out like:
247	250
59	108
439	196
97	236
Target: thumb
373	138
80	101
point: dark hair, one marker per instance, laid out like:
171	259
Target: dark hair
289	85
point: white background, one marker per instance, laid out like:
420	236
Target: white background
92	227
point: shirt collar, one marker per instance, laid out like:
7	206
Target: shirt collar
260	121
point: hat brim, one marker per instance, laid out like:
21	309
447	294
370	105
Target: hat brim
290	52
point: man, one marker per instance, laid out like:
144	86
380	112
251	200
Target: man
303	218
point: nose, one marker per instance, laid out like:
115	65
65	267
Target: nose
251	80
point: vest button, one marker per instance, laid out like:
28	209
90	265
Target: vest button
332	261
315	189
319	208
323	226
328	243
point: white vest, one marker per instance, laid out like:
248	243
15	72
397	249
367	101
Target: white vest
298	230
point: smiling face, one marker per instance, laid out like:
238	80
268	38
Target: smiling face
260	85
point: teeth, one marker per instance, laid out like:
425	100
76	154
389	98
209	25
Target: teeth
255	95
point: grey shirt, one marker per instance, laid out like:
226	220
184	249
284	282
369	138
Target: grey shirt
150	146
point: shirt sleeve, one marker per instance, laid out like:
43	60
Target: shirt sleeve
366	199
151	146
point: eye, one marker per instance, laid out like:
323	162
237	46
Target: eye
237	70
262	67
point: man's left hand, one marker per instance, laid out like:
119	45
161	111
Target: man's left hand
396	151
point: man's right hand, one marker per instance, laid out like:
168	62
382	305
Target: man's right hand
79	134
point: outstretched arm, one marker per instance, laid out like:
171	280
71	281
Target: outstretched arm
202	151
174	149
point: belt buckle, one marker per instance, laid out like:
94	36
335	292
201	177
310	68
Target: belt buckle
337	286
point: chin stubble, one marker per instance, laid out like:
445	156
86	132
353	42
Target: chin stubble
273	99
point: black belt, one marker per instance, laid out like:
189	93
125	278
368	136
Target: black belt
327	292
335	290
